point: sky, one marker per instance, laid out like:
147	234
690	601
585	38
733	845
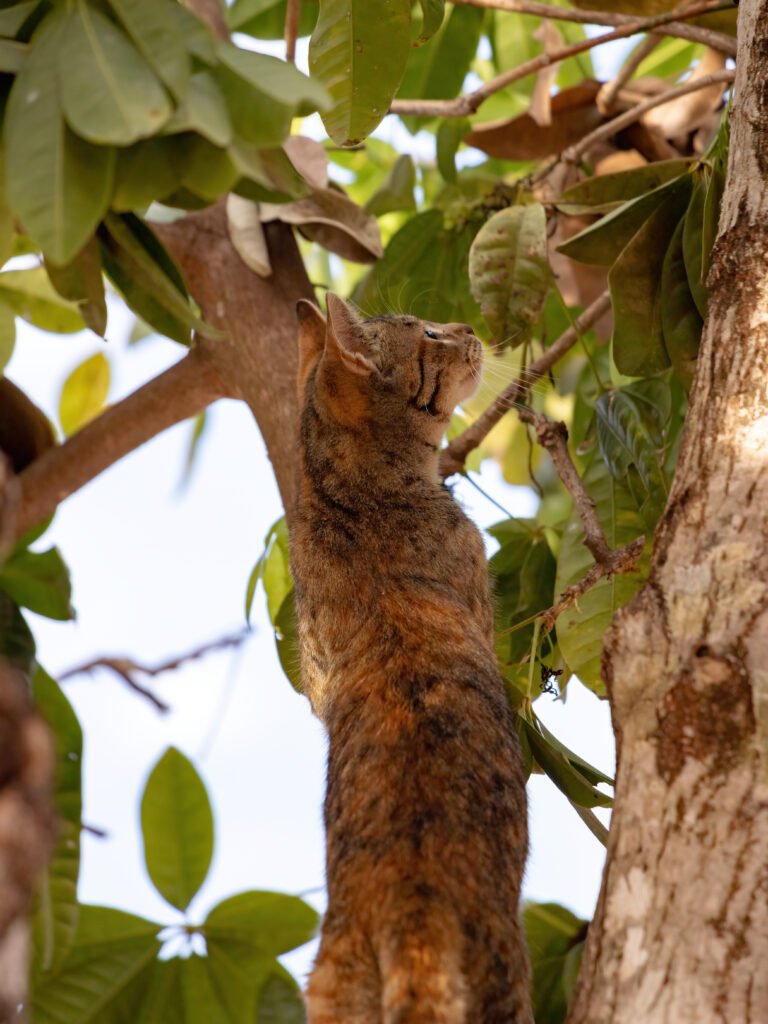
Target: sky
159	570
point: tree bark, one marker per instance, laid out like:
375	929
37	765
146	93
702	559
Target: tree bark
681	930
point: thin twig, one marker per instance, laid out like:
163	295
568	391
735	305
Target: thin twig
454	455
465	105
292	14
574	153
606	98
553	436
709	37
127	669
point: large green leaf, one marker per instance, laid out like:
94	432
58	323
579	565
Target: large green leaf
432	14
509	272
203	110
98	981
177	827
582	626
565	774
84	393
273	569
681	322
58	185
81	281
7	335
605	192
635	286
145	172
437	70
261	924
109	93
30	295
17	645
358	50
279	1001
693	242
397	191
152	27
555	940
423	272
56	909
603	242
39	581
287	641
13	17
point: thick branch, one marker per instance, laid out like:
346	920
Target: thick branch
182	391
454	455
717	40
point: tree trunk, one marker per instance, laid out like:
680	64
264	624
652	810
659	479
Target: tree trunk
681	929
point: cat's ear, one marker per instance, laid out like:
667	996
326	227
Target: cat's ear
344	338
311	339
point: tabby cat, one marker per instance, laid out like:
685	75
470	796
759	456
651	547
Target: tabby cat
425	809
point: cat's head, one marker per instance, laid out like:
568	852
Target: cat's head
387	368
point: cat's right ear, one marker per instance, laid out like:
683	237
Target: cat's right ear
311	339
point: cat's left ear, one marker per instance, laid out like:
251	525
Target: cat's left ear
344	338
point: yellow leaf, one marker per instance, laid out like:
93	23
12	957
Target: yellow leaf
84	393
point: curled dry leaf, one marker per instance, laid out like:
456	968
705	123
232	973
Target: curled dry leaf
573	112
696	110
247	234
540	107
331	219
309	158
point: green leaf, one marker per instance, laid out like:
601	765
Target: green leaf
58	185
152	27
438	68
56	909
273	569
99	981
555	940
12	18
603	242
590	773
81	281
509	272
12	56
177	827
145	172
39	581
681	322
565	775
17	645
718	154
693	243
199	425
30	295
580	629
424	270
203	110
7	335
358	50
196	34
280	1002
287	641
635	286
449	135
207	170
265	19
397	191
263	94
84	393
96	60
432	14
261	924
605	192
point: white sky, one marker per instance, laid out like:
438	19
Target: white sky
157	573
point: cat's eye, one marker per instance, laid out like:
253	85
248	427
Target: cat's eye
431	334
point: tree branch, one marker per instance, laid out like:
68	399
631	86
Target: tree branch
292	14
717	40
182	391
454	455
126	669
465	105
574	153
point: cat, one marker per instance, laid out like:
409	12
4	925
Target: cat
425	808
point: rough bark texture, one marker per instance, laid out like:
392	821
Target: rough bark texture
26	828
681	932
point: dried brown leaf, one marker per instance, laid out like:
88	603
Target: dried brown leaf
331	219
